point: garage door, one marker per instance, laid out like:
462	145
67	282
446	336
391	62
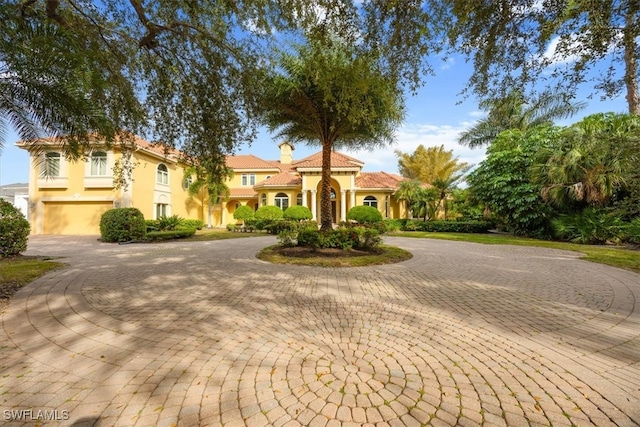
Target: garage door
74	217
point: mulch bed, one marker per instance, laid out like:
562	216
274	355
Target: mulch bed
306	252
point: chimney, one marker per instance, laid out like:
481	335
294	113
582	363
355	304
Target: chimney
286	153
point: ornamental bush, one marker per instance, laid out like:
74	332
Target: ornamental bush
122	225
243	213
297	213
14	230
192	223
448	226
168	223
364	214
269	213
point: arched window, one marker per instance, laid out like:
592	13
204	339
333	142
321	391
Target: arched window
282	201
98	163
162	174
299	199
371	201
51	165
263	200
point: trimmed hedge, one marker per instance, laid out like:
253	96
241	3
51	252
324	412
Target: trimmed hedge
297	213
243	213
171	234
448	226
269	213
122	225
192	223
14	230
364	214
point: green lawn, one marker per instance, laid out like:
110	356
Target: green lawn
15	272
616	256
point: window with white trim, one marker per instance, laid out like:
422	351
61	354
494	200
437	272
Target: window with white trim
51	167
162	174
371	201
98	163
161	210
299	199
282	201
263	200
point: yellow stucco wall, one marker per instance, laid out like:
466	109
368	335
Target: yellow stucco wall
73	204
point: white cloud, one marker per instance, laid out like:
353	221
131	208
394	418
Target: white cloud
410	136
448	63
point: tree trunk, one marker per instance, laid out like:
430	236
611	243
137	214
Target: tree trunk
631	64
326	221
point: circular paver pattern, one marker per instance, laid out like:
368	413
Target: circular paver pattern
205	334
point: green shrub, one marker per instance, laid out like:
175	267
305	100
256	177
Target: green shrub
632	231
14	230
243	213
192	223
394	224
231	227
122	225
152	225
448	226
342	238
297	213
364	214
269	213
171	234
591	226
168	223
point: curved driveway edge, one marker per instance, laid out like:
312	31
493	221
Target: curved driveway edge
203	333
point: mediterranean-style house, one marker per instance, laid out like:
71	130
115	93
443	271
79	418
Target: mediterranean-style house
69	197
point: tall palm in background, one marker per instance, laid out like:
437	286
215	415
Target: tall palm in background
207	188
516	112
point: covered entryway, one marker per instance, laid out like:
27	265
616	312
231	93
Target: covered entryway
74	217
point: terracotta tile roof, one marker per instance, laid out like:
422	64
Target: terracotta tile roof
242	193
155	148
338	160
286	178
378	180
249	161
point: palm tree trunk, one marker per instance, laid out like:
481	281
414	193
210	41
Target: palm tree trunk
631	65
326	222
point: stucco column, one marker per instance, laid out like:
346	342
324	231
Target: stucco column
352	202
223	215
343	205
304	198
313	205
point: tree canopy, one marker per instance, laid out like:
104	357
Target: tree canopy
429	164
333	96
185	73
558	43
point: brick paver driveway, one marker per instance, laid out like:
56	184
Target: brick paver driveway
206	334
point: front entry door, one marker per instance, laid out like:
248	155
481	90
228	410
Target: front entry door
334	212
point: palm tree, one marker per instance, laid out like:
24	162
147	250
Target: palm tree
444	188
514	112
207	188
428	164
330	96
51	92
408	192
592	160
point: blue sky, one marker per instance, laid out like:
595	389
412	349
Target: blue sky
435	116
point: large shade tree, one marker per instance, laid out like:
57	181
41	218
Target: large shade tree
329	94
518	44
176	70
